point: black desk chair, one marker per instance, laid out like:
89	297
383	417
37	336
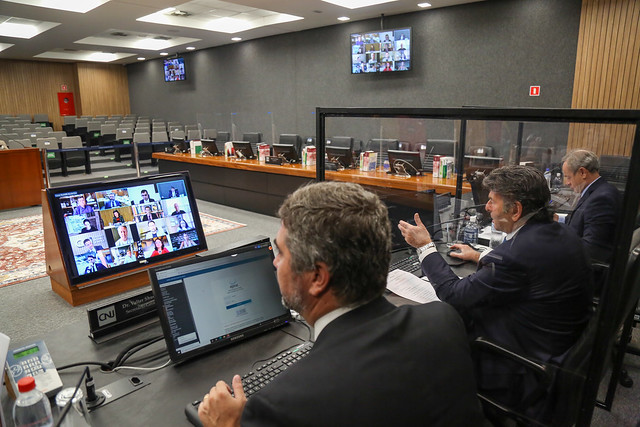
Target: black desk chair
559	391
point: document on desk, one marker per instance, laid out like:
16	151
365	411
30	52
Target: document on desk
408	286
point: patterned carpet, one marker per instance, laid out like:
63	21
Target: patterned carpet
22	246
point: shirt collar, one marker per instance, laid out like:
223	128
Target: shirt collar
324	320
587	187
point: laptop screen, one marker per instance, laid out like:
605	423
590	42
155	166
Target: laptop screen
212	301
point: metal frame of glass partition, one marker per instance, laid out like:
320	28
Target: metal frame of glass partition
613	297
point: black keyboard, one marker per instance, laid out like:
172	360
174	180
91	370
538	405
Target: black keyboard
254	380
411	264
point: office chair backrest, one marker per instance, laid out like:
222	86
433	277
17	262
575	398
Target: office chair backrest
108	129
124	133
116	117
81	122
210	134
223	136
141	137
442	147
50	143
24	117
190	127
93	126
172	128
340	141
24	143
102	118
41	118
159	136
69	120
193	134
253	137
58	134
16	143
72	142
177	134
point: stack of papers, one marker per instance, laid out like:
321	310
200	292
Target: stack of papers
413	288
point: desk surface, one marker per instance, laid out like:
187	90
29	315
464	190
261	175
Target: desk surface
372	178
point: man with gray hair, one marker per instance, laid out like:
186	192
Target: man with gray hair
372	364
598	209
531	294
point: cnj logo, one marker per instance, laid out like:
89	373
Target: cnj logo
106	315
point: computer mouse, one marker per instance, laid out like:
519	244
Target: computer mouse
457	251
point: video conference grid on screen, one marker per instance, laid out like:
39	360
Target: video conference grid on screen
174	70
121	226
380	51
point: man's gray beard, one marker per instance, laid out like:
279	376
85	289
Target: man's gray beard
293	303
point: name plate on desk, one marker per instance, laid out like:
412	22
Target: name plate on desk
273	160
118	316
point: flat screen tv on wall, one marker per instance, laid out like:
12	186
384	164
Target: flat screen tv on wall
381	51
174	70
121	226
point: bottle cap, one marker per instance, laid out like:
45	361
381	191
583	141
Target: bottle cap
473	218
26	384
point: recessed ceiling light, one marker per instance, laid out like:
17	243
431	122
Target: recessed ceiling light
23	28
343	18
140	58
164	53
191	48
68	5
356	4
236	39
4	46
424	5
102	57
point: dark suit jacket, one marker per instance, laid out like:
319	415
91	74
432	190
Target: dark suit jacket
532	294
378	365
594	218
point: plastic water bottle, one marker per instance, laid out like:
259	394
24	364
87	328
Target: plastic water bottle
557	181
471	231
32	407
547	176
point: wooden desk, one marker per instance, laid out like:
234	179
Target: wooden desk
259	187
21	177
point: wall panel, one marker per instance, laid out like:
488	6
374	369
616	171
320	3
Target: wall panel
29	87
104	89
607	73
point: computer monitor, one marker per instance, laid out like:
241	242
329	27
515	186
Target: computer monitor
340	155
121	226
437	147
243	149
287	152
180	146
340	141
209	148
481	163
405	162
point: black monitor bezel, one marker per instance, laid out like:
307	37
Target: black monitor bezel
287	152
243	147
74	276
411	157
340	153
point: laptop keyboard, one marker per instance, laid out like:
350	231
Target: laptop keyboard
254	380
411	264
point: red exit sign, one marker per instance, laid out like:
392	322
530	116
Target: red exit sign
534	90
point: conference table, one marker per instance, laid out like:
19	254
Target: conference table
260	187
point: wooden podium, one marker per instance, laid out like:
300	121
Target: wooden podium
89	291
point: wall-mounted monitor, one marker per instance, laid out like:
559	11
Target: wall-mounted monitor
174	70
381	51
115	227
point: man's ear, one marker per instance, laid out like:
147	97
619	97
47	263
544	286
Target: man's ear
319	280
516	211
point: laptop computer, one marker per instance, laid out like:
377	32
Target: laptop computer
210	302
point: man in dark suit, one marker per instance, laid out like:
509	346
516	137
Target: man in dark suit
532	294
372	364
598	209
93	266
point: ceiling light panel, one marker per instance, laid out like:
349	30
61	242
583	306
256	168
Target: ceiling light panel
23	28
219	16
357	4
135	40
4	46
80	6
83	55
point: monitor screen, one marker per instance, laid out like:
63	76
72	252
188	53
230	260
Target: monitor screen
209	147
287	152
243	150
481	163
107	228
174	70
340	155
381	51
405	162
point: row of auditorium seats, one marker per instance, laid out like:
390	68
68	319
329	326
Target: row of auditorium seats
39	120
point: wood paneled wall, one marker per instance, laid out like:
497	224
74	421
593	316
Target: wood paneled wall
31	87
104	89
607	72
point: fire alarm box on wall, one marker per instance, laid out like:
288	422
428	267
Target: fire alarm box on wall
67	106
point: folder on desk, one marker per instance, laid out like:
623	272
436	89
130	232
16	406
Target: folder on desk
213	301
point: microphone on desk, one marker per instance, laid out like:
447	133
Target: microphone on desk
93	399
